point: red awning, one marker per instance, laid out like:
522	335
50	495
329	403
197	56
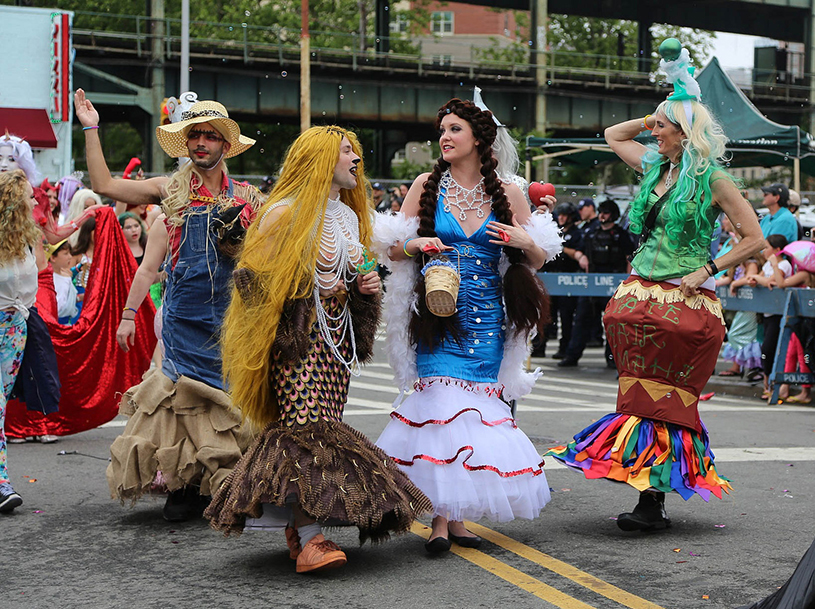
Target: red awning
31	124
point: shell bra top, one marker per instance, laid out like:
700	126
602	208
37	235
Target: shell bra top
480	306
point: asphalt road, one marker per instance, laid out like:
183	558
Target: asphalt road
70	545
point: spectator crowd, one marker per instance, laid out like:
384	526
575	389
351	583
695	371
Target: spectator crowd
596	240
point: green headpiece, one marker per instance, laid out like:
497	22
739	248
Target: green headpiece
675	63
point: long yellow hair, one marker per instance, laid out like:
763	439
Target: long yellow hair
283	259
17	227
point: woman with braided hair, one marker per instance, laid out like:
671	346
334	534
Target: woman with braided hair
455	436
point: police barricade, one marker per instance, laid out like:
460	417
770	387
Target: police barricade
791	303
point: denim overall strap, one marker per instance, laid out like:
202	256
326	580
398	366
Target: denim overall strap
196	298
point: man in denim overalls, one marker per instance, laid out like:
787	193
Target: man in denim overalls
182	434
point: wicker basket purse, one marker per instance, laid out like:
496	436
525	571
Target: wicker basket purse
442	279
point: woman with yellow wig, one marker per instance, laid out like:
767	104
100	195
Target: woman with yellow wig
302	319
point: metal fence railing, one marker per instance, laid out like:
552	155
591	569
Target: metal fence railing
275	45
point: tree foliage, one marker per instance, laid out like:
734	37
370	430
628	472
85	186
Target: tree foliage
591	39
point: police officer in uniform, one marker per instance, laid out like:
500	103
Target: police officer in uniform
569	261
608	250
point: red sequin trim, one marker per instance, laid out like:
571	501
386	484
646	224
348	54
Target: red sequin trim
486	389
407	421
472	468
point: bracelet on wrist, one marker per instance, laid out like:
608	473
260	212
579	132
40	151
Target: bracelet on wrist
128	319
645	121
714	270
91	127
126	309
404	248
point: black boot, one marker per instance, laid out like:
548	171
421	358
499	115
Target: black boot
184	504
649	514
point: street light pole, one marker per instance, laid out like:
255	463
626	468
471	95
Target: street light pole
184	82
305	69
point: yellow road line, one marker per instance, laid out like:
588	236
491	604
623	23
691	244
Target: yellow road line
510	574
561	568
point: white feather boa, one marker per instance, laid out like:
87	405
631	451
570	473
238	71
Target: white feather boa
400	300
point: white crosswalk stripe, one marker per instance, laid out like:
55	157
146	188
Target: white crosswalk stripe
374	392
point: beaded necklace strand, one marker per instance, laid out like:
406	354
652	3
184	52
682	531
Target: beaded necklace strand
339	241
463	199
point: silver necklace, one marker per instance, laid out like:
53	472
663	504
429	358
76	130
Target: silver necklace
455	195
339	249
669	179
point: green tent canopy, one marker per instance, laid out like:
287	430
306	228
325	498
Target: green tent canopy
754	140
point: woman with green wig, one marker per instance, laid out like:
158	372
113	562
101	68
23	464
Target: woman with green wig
664	323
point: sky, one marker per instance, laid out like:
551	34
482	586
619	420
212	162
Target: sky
734	50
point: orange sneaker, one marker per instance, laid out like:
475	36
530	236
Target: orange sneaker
293	541
318	554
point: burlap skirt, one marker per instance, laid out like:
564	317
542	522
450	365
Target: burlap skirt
183	433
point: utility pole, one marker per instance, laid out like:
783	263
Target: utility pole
305	69
539	29
363	24
184	81
157	81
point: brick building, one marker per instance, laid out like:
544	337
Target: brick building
461	33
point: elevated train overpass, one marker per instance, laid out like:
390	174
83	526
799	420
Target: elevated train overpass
132	63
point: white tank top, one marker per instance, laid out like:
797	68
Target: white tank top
18	283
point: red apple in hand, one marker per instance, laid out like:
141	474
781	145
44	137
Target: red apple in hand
538	190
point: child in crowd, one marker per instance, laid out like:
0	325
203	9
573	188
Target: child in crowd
67	297
795	350
772	323
742	347
82	251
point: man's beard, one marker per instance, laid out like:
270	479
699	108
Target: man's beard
203	164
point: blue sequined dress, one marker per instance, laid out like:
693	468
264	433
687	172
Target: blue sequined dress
454	436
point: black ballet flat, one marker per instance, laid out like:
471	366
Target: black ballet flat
466	542
438	545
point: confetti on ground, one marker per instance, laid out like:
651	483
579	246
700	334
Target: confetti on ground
706	396
705	596
719	526
681	561
613	518
565	490
37	512
677	550
693	554
33	480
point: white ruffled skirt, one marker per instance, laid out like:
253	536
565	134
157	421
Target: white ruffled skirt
459	444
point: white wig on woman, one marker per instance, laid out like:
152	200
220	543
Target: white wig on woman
82	199
21	150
